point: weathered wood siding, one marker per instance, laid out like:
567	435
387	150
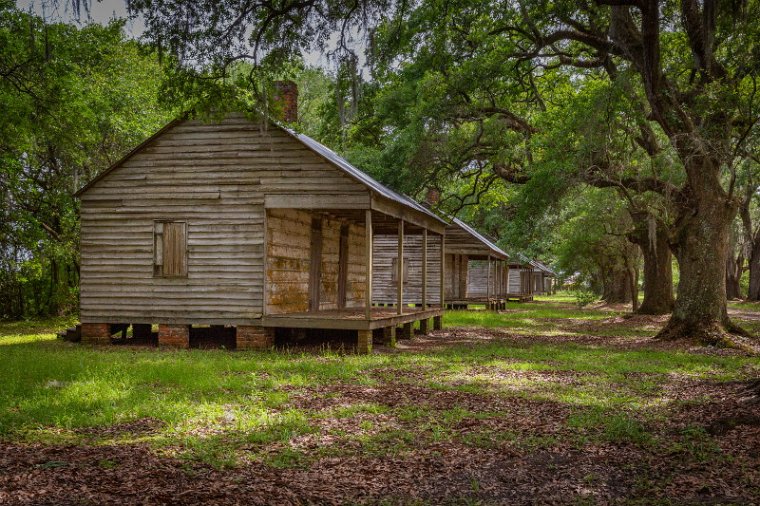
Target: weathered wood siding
520	281
289	261
538	283
456	274
478	279
385	250
215	178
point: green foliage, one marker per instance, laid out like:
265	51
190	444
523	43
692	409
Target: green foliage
74	100
584	297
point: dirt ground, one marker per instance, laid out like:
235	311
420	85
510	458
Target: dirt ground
711	454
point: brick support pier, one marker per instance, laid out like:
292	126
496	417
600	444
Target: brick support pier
364	342
425	326
174	336
438	323
251	337
96	333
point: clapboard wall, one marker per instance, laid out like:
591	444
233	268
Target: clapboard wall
456	274
384	253
479	279
215	178
519	281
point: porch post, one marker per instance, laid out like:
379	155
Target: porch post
400	269
424	268
443	269
368	246
488	283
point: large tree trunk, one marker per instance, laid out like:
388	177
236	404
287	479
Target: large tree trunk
753	237
701	246
617	286
734	267
651	235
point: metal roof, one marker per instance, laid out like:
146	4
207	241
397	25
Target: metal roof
357	174
541	266
480	237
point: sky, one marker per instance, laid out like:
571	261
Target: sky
105	10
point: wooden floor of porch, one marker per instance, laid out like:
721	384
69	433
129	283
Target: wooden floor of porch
351	319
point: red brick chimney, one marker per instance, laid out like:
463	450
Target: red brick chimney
432	197
286	100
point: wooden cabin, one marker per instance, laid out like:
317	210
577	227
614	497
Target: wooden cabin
520	281
543	278
247	227
476	269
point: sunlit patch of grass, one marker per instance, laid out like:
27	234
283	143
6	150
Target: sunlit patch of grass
224	408
615	427
745	305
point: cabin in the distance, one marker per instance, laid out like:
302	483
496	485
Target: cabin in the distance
244	228
476	269
544	278
520	280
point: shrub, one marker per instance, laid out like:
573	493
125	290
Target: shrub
584	297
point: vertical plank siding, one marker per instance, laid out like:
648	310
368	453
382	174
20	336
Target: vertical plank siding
385	251
213	177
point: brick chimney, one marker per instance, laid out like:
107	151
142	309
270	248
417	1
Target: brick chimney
432	197
286	100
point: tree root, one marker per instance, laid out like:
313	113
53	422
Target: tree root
722	335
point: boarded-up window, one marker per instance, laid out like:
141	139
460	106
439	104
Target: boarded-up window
394	270
170	249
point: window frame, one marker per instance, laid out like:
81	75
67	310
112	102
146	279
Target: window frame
158	242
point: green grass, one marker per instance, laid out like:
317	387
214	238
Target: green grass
222	407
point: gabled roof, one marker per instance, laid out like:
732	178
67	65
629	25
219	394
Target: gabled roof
320	149
480	237
362	177
542	267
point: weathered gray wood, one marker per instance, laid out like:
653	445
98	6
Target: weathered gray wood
442	286
220	179
396	210
400	267
331	201
385	270
368	280
424	268
315	270
343	266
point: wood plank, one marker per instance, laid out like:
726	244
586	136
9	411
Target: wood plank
368	255
315	271
343	266
400	268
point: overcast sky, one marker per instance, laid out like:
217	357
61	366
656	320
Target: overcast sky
104	11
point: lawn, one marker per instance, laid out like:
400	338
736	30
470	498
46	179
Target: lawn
542	402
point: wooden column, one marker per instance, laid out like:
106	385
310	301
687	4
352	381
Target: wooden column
368	246
488	284
424	268
400	269
443	269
